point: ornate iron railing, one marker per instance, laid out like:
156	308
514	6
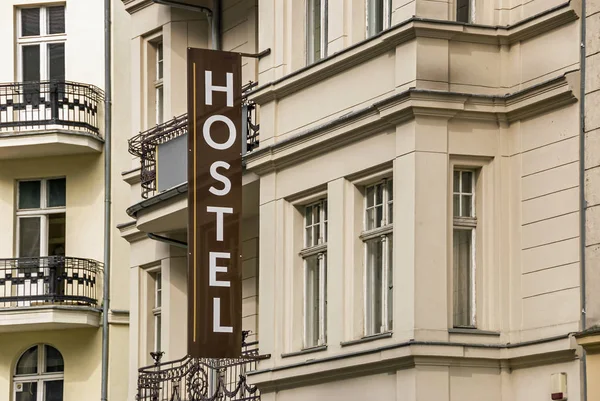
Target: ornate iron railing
26	106
200	379
50	280
144	144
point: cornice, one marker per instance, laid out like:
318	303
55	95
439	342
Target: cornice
399	108
412	354
133	6
408	30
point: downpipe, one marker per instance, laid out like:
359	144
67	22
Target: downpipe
107	193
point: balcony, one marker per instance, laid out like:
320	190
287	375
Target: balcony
49	118
200	378
49	292
166	145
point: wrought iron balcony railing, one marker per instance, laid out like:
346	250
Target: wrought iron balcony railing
200	379
145	143
28	106
50	280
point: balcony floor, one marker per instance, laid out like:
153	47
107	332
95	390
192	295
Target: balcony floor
47	142
36	318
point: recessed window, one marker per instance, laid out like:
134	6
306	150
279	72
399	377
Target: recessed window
464	234
463	11
41	43
316	46
39	375
41	217
315	274
379	16
378	241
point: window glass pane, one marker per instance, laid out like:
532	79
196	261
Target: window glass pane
325	225
309	236
456	181
312	301
315	19
158	301
456	205
158	322
29	194
159	105
466	205
53	390
28	363
56	19
29	237
159	61
462	11
379	194
30	22
317	213
308	215
390	189
28	393
31	63
57	192
378	216
467	181
390	283
370	196
462	277
56	234
374	284
317	237
54	360
56	61
374	16
370	219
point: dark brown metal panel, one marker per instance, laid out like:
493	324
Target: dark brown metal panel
204	338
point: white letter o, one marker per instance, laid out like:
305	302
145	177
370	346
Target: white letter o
206	131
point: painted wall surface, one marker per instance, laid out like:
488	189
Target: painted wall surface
81	351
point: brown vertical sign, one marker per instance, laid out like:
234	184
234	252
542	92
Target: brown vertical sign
214	204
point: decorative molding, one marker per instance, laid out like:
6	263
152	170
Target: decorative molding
367	339
404	106
305	351
133	176
133	6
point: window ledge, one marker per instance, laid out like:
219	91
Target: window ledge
313	250
474	331
377	232
305	351
367	339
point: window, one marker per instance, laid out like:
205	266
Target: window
463	11
158	84
41	37
41	217
156	311
379	16
463	266
378	239
315	274
316	41
39	375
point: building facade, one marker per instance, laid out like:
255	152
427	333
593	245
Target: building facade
52	205
411	221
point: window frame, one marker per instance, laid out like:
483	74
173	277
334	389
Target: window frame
39	377
386	14
318	249
159	106
310	34
385	234
43	212
466	223
42	40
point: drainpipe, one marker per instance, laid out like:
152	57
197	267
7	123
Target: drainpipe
582	200
216	25
107	193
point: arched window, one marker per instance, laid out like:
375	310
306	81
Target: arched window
39	375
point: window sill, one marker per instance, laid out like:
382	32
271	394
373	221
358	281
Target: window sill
304	351
313	250
474	331
367	339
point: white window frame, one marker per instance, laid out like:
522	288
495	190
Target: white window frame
158	83
43	40
39	376
317	248
310	51
467	223
384	233
43	212
386	15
